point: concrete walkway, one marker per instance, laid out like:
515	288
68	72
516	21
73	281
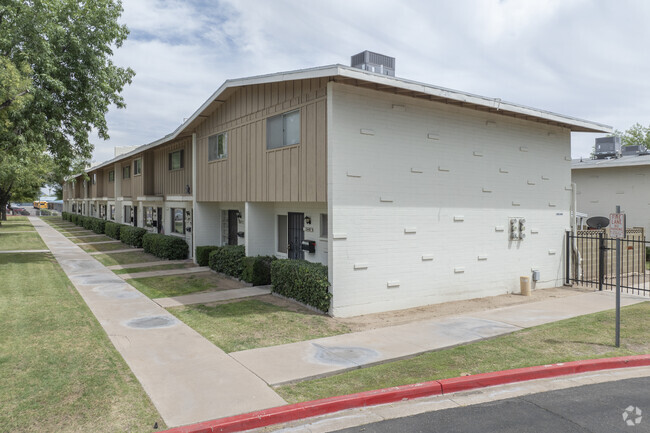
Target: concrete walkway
205	298
330	355
165	272
187	378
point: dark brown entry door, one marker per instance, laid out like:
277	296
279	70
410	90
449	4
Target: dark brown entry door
232	227
296	235
135	216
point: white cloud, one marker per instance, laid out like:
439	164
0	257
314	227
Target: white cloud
575	57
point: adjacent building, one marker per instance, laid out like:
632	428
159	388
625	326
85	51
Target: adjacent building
412	194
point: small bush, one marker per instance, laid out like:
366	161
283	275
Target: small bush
257	270
98	225
112	230
132	235
228	260
87	223
64	216
303	281
203	254
165	246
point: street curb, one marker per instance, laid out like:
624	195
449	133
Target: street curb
313	408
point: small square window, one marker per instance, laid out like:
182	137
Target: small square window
323	225
283	130
126	172
176	160
137	166
111	176
217	147
178	220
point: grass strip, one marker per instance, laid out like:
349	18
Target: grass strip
16	223
583	337
125	258
21	241
59	370
176	285
251	324
154	268
104	247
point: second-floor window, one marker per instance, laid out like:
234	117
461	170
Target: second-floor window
283	130
94	178
111	176
137	166
126	172
217	147
176	160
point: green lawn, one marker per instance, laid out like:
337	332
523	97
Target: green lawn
59	370
97	238
16	224
176	285
154	268
126	258
250	324
104	247
21	241
584	337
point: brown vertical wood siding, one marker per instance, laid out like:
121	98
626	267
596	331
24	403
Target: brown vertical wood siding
251	172
172	182
126	183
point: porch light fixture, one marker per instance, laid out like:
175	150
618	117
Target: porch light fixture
239	216
187	189
308	220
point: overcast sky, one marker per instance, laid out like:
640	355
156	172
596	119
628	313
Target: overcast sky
585	59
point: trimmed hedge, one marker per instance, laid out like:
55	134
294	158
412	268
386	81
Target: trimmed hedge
165	246
132	235
112	230
203	254
227	260
303	281
98	225
257	270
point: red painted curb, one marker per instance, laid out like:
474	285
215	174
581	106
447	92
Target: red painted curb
313	408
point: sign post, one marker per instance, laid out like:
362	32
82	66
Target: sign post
617	231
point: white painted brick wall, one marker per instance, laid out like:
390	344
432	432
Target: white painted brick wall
599	190
392	179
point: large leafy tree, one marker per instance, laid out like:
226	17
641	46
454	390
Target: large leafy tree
57	82
635	134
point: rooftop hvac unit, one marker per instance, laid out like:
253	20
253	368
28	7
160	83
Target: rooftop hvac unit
636	149
608	147
373	62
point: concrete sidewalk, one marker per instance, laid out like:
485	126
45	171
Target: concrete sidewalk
325	356
187	378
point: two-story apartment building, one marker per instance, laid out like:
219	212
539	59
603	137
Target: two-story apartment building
407	191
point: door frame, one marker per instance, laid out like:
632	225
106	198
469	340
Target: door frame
295	226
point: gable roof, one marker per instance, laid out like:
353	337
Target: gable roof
366	79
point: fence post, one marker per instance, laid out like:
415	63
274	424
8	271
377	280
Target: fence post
601	260
567	271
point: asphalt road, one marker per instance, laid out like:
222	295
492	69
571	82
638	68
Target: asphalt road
590	408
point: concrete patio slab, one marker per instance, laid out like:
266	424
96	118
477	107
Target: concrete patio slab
126	250
148	264
166	272
187	378
206	298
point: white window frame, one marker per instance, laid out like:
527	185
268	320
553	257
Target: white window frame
323	226
283	118
137	167
214	140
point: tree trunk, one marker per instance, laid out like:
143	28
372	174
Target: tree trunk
5	194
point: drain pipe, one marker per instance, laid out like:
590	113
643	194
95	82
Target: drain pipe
574	231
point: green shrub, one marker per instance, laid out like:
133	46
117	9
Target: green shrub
87	223
64	216
112	230
132	235
98	225
165	246
303	281
203	254
228	260
257	270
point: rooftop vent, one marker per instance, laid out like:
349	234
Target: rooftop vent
607	147
373	62
637	149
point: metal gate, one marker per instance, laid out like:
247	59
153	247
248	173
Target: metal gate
591	261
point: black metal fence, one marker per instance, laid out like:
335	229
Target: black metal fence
591	261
